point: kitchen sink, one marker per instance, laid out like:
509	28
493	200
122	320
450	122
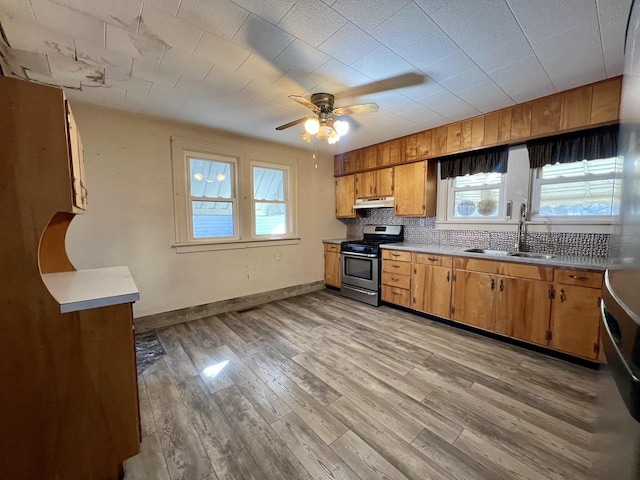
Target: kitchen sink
503	253
542	256
496	253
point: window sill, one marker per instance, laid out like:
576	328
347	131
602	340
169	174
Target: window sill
233	245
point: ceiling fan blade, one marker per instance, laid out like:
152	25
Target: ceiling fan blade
291	124
409	79
303	101
356	109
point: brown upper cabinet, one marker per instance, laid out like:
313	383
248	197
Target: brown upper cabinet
345	196
579	108
415	189
375	183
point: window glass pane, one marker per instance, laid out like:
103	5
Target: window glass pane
596	197
271	218
478	180
268	184
212	219
577	169
476	203
210	179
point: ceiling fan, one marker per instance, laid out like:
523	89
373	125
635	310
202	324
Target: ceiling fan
323	125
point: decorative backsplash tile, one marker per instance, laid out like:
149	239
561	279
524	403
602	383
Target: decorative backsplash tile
423	230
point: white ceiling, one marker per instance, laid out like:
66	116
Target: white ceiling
230	65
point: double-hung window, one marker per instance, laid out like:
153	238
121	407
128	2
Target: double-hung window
576	177
586	189
213	203
270	200
474	185
476	196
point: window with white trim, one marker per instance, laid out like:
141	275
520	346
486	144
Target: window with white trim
271	207
213	202
478	196
586	190
225	196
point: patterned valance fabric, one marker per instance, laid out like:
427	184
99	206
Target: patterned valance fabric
482	161
590	144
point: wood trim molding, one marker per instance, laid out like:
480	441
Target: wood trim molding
164	319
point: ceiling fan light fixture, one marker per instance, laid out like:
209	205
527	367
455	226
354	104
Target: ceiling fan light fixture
341	127
333	138
306	137
325	132
312	125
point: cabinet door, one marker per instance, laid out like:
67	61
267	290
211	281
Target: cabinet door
410	189
575	320
473	299
76	162
384	182
345	196
332	268
366	184
522	308
431	290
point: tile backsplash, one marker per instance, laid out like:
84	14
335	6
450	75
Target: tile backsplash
583	244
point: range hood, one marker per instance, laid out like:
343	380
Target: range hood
381	202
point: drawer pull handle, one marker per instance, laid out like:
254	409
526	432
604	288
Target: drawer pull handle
501	285
395	254
578	277
395	266
563	295
448	275
395	279
493	284
432	259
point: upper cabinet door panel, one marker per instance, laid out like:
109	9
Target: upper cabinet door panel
545	115
605	104
576	108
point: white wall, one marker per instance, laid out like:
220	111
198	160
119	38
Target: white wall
130	217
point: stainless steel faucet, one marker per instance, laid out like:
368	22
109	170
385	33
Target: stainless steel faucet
522	229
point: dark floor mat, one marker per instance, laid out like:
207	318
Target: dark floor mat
148	350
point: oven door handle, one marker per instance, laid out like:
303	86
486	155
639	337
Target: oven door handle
353	254
360	290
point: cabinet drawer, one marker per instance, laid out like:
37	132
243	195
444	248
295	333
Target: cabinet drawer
332	247
397	255
509	269
401	268
396	280
399	296
578	277
430	259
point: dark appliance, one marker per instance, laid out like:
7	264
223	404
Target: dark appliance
618	433
360	262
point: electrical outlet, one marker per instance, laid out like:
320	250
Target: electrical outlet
278	256
422	222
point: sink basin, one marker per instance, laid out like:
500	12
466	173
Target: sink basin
542	256
503	253
496	253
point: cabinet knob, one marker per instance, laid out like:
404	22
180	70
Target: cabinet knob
493	284
448	275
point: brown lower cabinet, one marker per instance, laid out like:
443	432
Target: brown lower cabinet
332	264
552	307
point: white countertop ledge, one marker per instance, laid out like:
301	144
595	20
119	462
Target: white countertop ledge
94	288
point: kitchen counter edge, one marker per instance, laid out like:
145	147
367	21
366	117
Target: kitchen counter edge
572	261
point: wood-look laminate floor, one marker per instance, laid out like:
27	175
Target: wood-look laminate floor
319	386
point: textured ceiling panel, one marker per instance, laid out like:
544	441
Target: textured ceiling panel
231	64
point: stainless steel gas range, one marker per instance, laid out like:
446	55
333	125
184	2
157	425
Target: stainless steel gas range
360	262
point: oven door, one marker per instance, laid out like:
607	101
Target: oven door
360	270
